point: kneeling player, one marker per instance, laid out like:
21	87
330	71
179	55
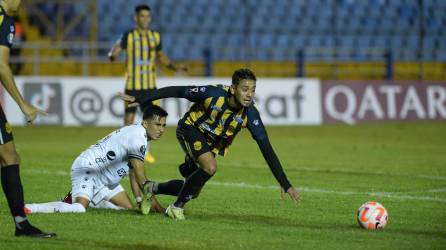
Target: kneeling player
96	172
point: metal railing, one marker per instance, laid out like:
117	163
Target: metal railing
86	53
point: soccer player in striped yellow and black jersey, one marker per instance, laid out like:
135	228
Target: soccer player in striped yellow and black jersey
9	158
210	126
142	46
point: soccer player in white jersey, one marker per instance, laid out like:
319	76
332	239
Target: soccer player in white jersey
97	172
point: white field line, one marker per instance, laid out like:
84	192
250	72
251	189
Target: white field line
344	171
392	195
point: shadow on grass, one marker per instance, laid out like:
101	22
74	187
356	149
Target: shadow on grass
415	232
60	243
269	221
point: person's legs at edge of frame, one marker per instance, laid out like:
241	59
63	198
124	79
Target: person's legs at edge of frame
13	189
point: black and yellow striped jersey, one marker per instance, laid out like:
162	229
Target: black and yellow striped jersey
141	50
212	115
7	29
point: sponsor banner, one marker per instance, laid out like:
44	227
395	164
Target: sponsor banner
93	101
364	101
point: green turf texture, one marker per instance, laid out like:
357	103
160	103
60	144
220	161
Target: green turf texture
336	168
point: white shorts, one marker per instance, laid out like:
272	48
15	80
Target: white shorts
84	183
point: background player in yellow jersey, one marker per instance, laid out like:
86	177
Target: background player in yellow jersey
142	46
209	128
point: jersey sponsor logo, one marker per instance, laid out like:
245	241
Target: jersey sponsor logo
8	128
256	122
197	145
238	119
111	155
121	172
100	160
142	62
206	127
215	107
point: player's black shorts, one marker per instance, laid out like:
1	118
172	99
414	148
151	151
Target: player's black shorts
137	93
5	129
192	140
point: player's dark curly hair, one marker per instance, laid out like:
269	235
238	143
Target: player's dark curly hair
153	111
243	74
142	7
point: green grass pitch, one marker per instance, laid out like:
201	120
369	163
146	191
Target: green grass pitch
336	168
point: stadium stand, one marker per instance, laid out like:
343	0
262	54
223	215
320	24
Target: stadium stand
358	25
262	30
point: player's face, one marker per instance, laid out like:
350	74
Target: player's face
244	92
143	18
155	127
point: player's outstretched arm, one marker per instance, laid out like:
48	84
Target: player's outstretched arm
258	132
276	168
192	93
8	82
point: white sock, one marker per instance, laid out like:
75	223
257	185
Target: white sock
56	207
107	205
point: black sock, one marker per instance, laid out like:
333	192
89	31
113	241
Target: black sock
191	186
12	187
172	187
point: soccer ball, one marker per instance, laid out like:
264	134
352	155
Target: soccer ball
372	215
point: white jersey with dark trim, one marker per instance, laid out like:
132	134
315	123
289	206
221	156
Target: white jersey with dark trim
109	157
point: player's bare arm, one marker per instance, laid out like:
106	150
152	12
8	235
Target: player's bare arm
139	180
114	51
135	187
8	82
138	172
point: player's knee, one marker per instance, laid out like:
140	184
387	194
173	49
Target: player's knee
128	206
9	157
211	169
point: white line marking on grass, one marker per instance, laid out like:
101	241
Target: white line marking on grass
328	170
346	193
41	171
393	195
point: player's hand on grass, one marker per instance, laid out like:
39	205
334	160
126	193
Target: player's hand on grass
156	206
292	192
31	112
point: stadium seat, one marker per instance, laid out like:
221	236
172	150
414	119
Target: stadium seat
225	26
